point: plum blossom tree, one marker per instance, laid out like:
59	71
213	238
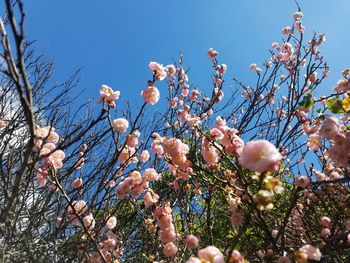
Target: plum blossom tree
260	178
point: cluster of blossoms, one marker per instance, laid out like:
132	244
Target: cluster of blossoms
110	247
78	215
167	229
136	184
330	128
50	157
175	152
108	96
227	137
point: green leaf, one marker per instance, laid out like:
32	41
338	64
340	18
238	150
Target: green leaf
335	106
307	101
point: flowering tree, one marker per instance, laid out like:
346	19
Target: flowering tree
262	178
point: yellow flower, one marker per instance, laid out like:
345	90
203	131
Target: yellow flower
346	104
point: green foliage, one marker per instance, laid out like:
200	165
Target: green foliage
335	106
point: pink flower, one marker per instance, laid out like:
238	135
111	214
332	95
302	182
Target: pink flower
111	222
79	207
298	15
108	96
192	242
274	45
253	66
210	153
302	181
151	175
299	27
170	250
43	132
168	235
325	221
212	254
311	252
89	222
171	70
314	142
212	53
194	260
260	156
325	232
3	124
77	183
157	148
313	77
150	198
342	85
120	124
158	69
151	94
144	156
236	257
329	128
286	30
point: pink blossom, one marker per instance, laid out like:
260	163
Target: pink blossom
342	85
298	15
194	260
151	175
3	124
150	198
77	183
260	156
171	70
311	252
192	241
313	77
314	142
212	53
158	69
157	148
299	27
329	128
170	250
79	207
274	45
302	181
89	222
108	96
53	137
168	235
236	257
212	254
120	124
325	232
286	30
284	259
144	156
325	221
43	132
111	222
151	94
253	66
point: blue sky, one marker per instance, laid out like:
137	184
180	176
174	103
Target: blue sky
113	41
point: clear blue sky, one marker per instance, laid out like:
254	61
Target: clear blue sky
114	40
